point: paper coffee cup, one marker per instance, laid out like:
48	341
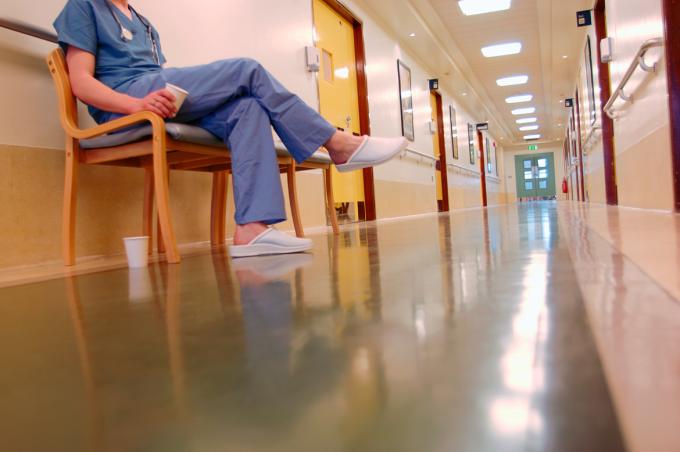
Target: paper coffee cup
179	93
137	250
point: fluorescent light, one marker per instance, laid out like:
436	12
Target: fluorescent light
413	35
519	99
528	128
510	48
524	111
512	81
526	120
473	7
532	137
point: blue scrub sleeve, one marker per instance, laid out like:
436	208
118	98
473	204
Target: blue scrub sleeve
76	27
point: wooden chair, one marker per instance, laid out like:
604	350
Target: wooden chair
320	160
157	148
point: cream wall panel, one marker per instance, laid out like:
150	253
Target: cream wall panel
398	199
109	206
594	175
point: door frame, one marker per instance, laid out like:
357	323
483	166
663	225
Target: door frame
370	213
482	167
441	163
579	144
604	80
671	18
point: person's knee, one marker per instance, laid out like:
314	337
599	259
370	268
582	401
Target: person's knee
249	65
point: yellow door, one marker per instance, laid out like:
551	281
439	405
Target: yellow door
435	146
338	94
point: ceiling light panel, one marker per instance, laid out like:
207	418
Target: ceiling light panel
513	81
528	128
474	7
509	48
526	120
519	99
524	111
532	137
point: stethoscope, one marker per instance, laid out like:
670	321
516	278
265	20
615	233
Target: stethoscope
127	36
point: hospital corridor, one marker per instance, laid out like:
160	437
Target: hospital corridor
340	226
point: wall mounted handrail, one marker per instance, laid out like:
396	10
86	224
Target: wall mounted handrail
462	168
589	137
420	154
27	29
638	61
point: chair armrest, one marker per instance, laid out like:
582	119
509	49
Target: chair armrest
156	122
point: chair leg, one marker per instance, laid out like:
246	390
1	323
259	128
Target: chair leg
160	166
218	209
70	201
223	216
160	244
147	222
330	201
292	196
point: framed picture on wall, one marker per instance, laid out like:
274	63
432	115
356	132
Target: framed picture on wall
406	101
590	83
454	131
471	142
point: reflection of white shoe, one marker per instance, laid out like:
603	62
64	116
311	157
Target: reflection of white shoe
271	241
372	152
272	267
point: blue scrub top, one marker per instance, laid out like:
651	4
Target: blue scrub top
89	25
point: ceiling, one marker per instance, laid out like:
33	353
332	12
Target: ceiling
449	43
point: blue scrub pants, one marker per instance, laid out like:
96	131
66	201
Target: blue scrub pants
238	101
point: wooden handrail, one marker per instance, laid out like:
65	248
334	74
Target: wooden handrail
27	29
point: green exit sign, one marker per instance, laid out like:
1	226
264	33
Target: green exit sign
533	147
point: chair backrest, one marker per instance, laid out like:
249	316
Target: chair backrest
68	110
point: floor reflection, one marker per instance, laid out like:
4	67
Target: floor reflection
463	332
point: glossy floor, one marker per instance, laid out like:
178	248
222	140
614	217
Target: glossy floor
461	332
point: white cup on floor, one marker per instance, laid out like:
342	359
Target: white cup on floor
137	250
179	93
139	285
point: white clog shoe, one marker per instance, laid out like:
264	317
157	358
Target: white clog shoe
373	151
271	241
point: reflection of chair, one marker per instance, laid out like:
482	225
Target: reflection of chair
170	314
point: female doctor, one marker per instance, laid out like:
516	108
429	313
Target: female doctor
115	64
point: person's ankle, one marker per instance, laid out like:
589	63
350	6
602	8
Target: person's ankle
341	146
245	233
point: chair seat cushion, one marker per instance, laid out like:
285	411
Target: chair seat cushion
176	131
181	132
319	157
